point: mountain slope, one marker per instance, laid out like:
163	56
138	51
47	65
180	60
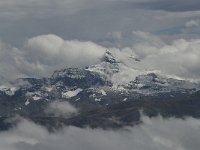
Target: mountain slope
109	84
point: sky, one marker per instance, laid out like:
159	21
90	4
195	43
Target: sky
97	21
40	36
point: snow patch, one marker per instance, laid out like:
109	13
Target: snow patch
8	90
172	96
93	95
70	94
124	100
140	85
77	99
49	89
103	92
97	99
27	102
36	98
34	95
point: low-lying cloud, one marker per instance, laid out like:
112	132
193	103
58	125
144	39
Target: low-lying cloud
61	109
153	134
181	57
192	23
51	50
42	55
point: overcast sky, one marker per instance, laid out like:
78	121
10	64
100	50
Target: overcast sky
95	20
40	36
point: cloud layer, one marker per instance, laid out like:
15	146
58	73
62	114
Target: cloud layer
153	134
93	20
42	55
179	58
61	109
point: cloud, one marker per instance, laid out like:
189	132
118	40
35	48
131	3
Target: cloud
144	40
181	57
170	5
51	49
61	109
154	134
42	55
192	23
8	58
91	20
18	8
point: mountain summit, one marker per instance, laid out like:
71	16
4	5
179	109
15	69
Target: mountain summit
108	57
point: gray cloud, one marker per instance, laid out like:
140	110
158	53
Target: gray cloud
76	5
42	55
61	109
181	57
170	5
192	23
90	19
103	23
153	134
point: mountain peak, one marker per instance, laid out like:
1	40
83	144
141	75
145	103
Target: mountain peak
108	57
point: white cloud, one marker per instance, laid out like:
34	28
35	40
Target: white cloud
61	108
8	61
53	50
145	40
44	54
181	57
153	134
192	23
115	35
17	9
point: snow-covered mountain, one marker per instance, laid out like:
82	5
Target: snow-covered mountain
110	82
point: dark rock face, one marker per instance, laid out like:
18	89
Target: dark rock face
79	78
109	58
122	114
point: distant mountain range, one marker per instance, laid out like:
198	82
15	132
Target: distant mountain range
108	94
